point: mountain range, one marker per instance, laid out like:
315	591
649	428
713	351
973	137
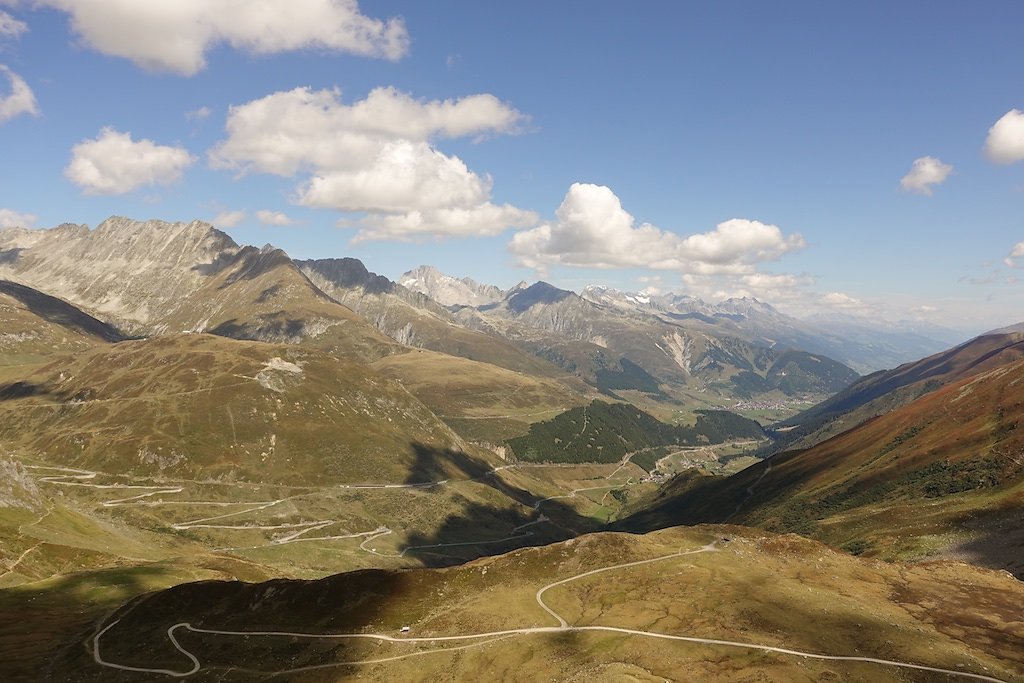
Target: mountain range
222	463
146	278
864	344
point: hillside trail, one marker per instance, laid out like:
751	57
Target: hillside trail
483	638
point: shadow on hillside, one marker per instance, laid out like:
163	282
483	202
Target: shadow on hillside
998	543
59	312
265	328
269	293
480	530
364	601
10	256
435	464
222	261
343	603
254	263
690	498
349	273
38	621
18	390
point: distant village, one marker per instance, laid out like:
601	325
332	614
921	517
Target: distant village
773	404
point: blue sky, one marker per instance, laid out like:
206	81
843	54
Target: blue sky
711	148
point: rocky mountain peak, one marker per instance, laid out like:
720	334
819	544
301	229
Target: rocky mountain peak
345	273
125	271
747	306
608	296
199	234
537	293
450	291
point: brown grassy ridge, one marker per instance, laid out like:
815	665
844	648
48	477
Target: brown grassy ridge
201	407
480	400
757	587
884	391
35	326
943	470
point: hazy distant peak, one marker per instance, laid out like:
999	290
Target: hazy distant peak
448	290
608	296
747	306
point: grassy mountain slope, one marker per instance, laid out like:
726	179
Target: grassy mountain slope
883	391
176	451
259	294
763	594
944	471
201	407
34	325
481	401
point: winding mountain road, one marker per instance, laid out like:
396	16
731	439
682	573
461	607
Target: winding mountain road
491	636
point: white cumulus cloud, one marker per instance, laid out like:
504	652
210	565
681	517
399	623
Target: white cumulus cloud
228	219
925	173
289	131
1005	142
11	27
267	217
472	221
174	35
15	219
404	176
19	100
113	163
376	156
1016	253
591	229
